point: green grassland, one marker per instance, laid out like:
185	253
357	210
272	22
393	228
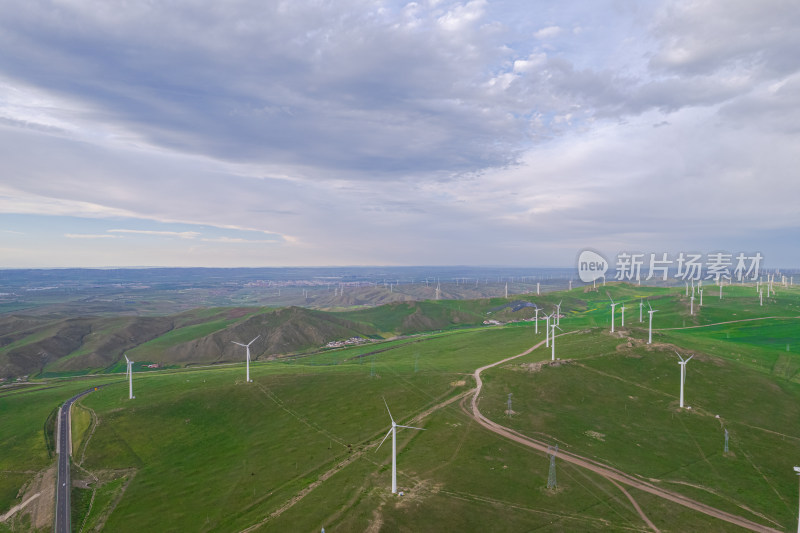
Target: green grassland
201	450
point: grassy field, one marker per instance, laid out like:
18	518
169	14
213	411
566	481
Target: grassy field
201	450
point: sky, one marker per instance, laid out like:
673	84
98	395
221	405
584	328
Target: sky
352	132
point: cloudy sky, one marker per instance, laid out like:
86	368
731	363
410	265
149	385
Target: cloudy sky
354	132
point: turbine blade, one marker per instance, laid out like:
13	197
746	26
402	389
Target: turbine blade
239	343
387	410
690	358
384	439
410	427
252	341
127	360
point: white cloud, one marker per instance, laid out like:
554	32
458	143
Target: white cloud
548	33
87	236
179	234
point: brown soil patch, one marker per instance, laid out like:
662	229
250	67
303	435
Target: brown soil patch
41	509
377	521
537	366
417	493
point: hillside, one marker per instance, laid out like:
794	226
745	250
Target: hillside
282	331
54	345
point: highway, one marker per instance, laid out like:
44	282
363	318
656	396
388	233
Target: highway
64	447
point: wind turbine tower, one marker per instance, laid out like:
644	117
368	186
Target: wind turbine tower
558	313
547	332
553	341
650	331
536	320
622	310
683	373
641	305
247	379
691	304
797	470
129	375
613	306
393	431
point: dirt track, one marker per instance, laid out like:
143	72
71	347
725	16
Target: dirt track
611	474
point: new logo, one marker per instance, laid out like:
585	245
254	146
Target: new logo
591	266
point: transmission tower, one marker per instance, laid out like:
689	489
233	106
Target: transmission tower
551	478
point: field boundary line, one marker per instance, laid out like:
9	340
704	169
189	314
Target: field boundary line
731	322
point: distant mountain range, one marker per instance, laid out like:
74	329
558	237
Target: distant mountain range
65	321
54	345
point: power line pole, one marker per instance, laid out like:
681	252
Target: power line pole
551	478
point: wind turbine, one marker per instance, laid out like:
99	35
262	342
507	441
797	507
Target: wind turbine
641	305
547	332
129	375
622	309
797	471
553	341
393	431
536	320
650	332
683	373
248	356
691	304
613	306
558	313
701	296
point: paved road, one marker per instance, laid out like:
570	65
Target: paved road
64	447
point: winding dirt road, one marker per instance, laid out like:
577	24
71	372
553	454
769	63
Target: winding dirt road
611	474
